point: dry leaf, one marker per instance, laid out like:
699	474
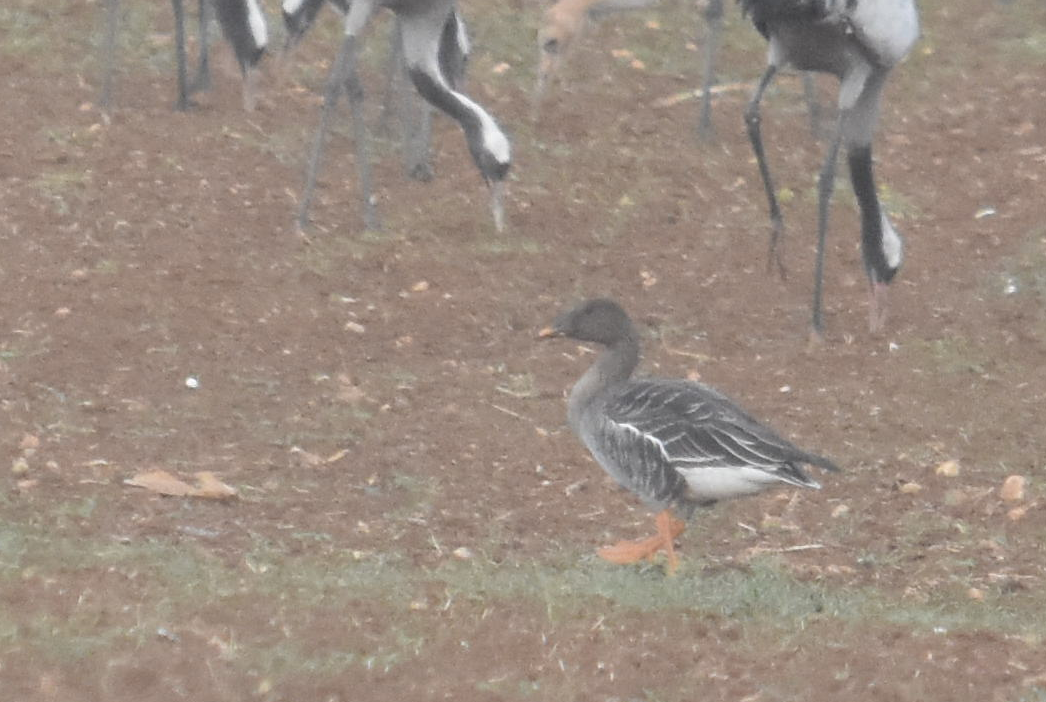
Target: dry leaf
336	456
209	487
162	482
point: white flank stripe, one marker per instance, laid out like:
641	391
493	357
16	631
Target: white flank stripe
646	437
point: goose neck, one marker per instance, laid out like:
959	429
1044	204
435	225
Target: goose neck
613	366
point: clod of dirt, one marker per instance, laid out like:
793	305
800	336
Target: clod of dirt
1016	514
1012	489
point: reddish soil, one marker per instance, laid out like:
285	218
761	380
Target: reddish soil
386	392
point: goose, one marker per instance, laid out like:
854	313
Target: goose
676	444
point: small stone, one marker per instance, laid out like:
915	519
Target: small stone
840	510
420	286
948	469
29	441
1013	488
192	382
20	466
463	553
910	488
355	327
1016	514
975	593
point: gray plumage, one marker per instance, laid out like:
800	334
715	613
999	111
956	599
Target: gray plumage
674	443
859	42
433	42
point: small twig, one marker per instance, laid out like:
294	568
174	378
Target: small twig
513	393
677	98
703	358
803	547
510	412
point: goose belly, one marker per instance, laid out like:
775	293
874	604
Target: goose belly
723	483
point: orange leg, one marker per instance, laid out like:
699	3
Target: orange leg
668	528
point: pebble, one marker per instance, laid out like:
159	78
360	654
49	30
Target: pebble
1012	489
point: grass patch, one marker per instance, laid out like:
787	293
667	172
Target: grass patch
381	612
953	354
1025	272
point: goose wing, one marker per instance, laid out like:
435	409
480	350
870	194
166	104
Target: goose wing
693	427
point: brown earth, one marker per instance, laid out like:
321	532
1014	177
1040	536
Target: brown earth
379	400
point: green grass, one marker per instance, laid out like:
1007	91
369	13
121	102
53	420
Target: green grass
293	582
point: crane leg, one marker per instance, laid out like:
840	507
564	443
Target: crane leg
825	187
202	79
752	121
179	48
112	15
342	75
714	21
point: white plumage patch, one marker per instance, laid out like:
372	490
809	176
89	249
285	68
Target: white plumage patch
888	27
727	482
259	29
291	7
494	140
462	35
893	245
